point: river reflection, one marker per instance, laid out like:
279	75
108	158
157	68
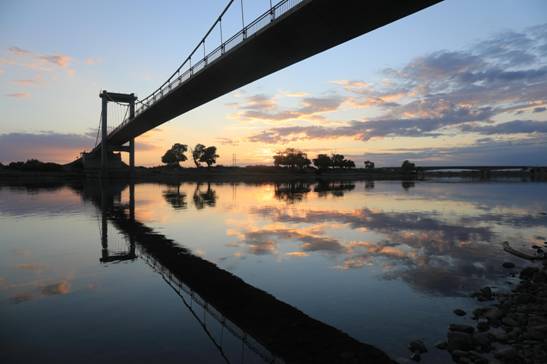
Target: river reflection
374	259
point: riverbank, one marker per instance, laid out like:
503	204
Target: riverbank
512	329
253	174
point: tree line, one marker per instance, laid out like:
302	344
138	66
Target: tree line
200	154
290	157
294	158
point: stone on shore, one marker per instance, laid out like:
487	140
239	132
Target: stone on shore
459	341
417	346
459	312
462	328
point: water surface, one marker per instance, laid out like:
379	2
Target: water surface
385	262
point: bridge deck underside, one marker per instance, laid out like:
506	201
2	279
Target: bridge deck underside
312	27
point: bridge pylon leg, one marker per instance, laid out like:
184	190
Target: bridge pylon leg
104	134
132	143
132	159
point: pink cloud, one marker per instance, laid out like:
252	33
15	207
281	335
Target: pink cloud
60	60
18	95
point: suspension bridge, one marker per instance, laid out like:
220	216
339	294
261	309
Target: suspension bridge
286	33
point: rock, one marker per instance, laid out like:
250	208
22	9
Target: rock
459	312
534	334
506	354
415	356
483	325
508	265
539	277
479	312
347	355
477	358
493	313
535	247
442	345
482	338
462	328
498	334
459	341
528	272
417	346
486	292
524	298
509	321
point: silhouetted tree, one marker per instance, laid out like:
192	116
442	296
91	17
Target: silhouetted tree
291	158
322	161
175	155
369	164
337	160
197	152
209	156
407	166
348	163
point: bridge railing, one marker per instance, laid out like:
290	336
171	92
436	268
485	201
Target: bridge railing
187	70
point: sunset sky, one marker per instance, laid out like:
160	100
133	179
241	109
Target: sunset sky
461	81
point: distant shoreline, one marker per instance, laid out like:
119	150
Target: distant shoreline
254	174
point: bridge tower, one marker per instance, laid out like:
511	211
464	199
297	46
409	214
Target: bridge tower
105	148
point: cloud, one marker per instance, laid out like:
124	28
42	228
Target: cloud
511	127
49	146
485	151
19	51
441	93
227	141
263	108
29	82
31	267
60	60
18	95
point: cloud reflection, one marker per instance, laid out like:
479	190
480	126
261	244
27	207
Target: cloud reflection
429	251
59	288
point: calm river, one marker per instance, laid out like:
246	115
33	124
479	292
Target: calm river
385	262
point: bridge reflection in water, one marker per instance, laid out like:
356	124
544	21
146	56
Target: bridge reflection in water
273	330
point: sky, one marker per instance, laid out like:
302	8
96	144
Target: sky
463	81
